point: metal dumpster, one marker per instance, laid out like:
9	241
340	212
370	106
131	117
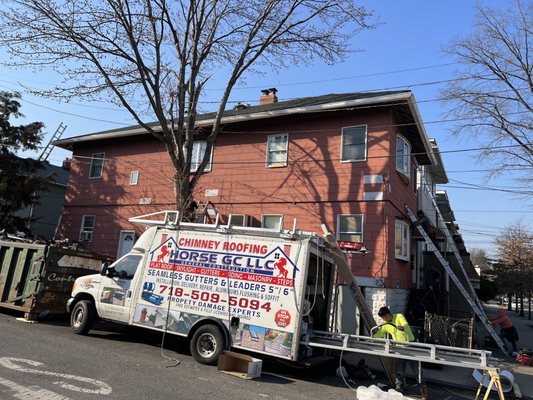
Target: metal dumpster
37	279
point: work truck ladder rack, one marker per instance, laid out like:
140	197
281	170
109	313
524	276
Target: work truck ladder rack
171	219
471	300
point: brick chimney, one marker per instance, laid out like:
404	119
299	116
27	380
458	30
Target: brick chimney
66	164
268	96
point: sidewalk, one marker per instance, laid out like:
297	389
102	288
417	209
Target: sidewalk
523	374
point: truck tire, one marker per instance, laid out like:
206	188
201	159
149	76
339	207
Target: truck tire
82	317
207	344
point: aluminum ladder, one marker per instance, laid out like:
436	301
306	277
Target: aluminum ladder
478	309
355	291
48	149
423	352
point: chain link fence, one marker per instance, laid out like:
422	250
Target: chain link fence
446	331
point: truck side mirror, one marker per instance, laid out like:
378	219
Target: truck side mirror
103	268
110	272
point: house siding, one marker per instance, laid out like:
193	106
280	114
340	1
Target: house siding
313	188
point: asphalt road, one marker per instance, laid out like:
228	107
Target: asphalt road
46	361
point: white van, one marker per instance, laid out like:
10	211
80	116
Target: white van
222	287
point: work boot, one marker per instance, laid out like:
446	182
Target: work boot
424	392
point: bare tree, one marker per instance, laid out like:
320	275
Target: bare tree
515	261
492	96
154	57
479	259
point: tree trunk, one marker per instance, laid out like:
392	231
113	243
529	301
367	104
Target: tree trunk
509	302
522	304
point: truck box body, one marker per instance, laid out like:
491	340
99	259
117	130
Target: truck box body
37	278
262	291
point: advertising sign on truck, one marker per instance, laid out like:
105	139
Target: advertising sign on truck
224	288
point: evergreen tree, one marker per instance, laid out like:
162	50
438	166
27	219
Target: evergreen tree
18	176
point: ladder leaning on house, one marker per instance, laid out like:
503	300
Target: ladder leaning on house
473	301
355	291
48	149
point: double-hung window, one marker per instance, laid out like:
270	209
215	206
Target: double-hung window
403	156
354	143
277	153
401	240
350	228
198	151
97	165
87	228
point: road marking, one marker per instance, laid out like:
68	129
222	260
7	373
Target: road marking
27	393
12	363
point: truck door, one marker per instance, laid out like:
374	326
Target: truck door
115	292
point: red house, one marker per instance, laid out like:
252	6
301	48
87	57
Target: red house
349	161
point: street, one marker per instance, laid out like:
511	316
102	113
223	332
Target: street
46	361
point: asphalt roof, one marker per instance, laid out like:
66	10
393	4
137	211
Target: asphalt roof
407	112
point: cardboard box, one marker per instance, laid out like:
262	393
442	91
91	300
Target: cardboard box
240	365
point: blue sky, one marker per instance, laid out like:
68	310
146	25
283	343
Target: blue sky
404	52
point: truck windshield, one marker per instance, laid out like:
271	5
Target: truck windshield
126	267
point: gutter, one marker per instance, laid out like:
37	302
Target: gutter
338	105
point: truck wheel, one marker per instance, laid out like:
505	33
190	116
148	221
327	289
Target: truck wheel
207	344
82	317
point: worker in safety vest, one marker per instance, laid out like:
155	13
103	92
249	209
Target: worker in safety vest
397	327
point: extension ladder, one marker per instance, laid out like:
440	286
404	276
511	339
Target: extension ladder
478	309
48	149
423	352
355	291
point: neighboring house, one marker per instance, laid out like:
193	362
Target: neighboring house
351	161
45	213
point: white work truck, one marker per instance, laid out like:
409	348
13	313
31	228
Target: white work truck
221	286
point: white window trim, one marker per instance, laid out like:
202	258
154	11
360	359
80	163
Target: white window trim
277	164
133	181
199	161
84	231
407	239
272	215
366	143
91	166
408	163
338	233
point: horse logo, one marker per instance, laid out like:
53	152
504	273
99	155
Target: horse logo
280	266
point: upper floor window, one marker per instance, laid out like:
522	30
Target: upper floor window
198	151
403	156
353	143
401	240
87	228
350	228
277	153
272	221
97	165
134	177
